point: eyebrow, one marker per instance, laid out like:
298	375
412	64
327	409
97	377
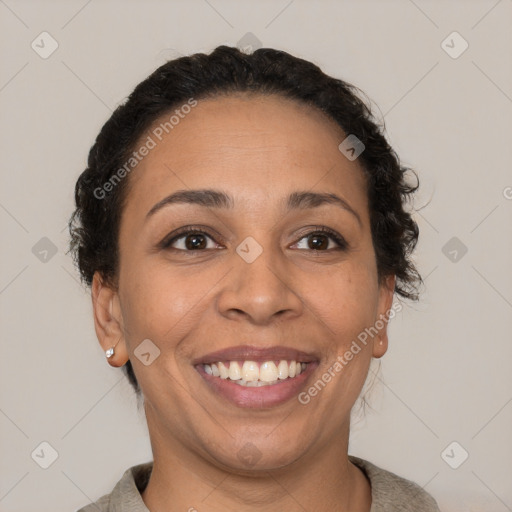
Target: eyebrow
210	198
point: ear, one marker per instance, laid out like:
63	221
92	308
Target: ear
108	320
386	293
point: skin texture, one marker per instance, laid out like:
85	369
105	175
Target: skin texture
258	149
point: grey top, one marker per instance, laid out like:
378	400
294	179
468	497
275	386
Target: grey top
390	492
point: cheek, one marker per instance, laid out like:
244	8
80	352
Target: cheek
346	299
158	301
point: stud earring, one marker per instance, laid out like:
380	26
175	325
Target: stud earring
110	352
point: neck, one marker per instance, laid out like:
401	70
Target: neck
322	480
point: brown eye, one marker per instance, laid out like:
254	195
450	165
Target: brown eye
196	241
190	241
320	240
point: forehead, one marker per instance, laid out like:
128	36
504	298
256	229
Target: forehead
253	145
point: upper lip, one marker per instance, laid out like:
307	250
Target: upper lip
257	354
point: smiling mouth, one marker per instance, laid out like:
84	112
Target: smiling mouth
256	374
256	377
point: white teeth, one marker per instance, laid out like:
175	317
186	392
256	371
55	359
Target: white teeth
282	370
257	384
224	372
250	371
234	371
268	372
253	374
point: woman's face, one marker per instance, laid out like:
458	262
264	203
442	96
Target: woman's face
251	283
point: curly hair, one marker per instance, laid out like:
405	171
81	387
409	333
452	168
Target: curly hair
94	225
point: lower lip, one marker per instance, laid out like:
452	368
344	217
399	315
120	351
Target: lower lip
258	397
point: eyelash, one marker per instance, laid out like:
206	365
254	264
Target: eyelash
199	230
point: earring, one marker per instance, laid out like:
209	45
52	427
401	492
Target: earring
380	341
110	352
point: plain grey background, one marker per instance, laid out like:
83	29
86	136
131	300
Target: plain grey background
447	376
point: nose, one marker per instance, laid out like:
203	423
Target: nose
260	291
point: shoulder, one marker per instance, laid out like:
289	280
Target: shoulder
98	506
392	493
126	495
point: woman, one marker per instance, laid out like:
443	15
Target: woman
242	226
